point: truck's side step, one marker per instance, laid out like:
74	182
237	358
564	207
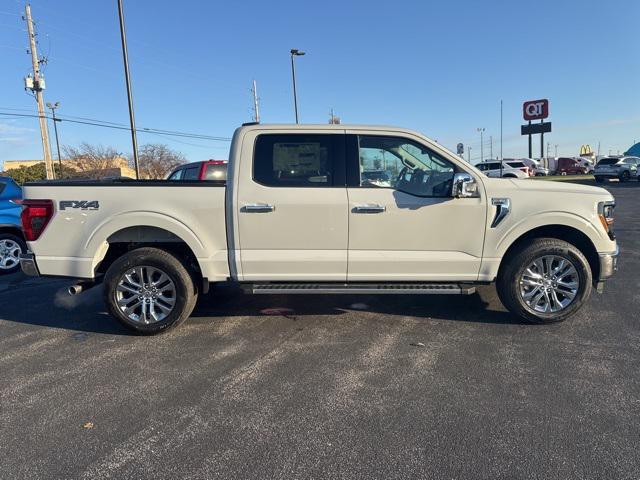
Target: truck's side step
363	288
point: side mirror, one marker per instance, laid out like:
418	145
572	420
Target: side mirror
464	185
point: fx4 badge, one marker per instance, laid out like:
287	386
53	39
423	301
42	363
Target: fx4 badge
81	204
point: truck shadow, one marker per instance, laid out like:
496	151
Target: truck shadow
49	307
476	308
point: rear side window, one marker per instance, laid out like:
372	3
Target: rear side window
215	171
2	186
191	173
608	161
299	160
516	164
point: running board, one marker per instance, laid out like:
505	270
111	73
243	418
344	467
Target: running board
363	288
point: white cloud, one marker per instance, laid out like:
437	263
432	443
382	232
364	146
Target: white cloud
11	134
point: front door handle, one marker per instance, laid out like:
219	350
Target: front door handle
369	208
258	208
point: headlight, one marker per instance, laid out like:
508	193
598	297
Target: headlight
605	212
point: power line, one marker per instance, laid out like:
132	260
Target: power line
116	126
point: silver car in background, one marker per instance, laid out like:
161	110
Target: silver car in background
622	168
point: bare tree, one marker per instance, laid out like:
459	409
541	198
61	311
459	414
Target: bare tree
157	160
96	159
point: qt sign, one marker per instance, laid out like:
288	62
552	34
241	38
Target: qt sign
535	109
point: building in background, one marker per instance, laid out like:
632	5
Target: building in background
634	151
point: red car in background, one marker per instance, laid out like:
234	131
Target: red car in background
570	166
205	170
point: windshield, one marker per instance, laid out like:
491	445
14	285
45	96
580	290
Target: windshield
9	189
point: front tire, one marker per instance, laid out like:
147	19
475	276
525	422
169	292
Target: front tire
11	246
546	281
624	177
149	291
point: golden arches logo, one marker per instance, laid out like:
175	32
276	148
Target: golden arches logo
586	150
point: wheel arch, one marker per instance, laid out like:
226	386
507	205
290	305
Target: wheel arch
569	234
12	229
128	238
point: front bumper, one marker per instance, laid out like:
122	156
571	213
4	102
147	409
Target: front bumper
28	264
608	264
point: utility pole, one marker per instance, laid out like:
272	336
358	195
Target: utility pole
491	147
256	107
36	85
501	157
333	120
53	107
556	150
125	59
469	155
548	148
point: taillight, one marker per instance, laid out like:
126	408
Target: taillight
35	217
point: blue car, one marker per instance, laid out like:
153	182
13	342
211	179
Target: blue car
11	239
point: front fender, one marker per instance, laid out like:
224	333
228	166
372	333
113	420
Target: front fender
544	219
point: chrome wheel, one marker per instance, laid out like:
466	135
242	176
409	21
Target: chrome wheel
9	254
145	294
549	284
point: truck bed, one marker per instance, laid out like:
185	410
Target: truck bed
89	215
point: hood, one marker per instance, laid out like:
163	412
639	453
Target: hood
557	187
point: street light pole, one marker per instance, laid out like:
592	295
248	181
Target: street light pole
53	107
481	130
125	58
295	53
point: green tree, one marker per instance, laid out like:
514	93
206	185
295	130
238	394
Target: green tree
37	172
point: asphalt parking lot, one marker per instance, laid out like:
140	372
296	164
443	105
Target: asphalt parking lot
324	387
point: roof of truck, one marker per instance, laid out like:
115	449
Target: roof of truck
337	127
321	126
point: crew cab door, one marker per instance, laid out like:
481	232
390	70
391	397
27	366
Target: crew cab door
292	206
404	224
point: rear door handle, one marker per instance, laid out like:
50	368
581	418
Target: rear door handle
369	208
258	208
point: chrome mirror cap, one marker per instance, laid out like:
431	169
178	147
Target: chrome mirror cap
464	186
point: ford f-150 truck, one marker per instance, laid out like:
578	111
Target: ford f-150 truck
298	215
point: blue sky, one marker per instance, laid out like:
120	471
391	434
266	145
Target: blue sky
437	67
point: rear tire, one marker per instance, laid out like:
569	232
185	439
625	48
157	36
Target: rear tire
11	246
149	291
599	179
515	283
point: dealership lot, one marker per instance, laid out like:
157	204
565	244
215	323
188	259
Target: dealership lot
324	387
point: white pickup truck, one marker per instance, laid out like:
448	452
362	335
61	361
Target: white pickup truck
300	214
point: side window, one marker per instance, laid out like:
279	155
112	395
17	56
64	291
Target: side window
403	165
177	175
296	160
191	173
482	167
